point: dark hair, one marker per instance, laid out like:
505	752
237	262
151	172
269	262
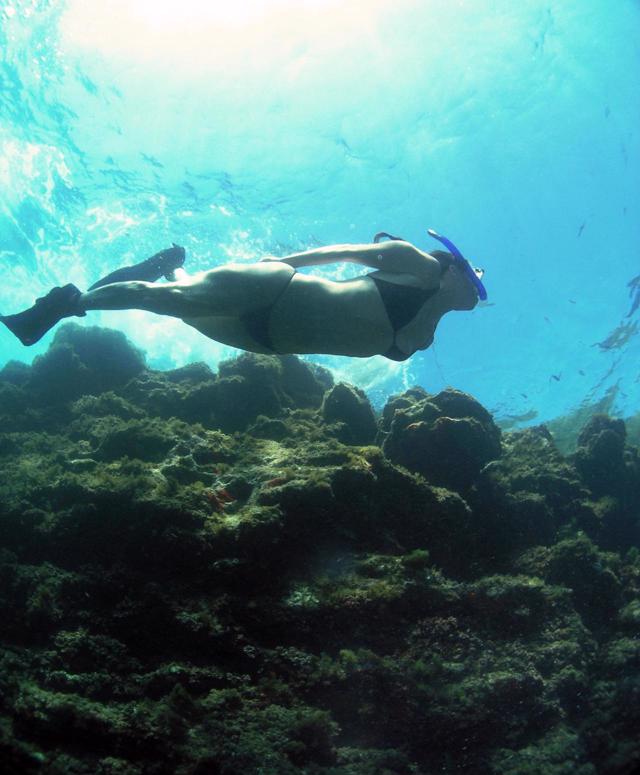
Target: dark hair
443	258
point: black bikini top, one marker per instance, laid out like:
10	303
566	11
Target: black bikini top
402	303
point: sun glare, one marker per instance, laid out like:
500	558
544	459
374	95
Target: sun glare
179	13
202	31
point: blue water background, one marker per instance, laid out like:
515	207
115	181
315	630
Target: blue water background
513	128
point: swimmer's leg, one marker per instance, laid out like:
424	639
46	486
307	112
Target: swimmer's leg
232	290
30	325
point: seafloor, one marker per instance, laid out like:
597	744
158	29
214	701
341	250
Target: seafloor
250	572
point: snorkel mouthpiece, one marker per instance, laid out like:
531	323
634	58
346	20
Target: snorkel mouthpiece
462	263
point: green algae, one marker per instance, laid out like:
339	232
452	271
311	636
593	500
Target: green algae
224	573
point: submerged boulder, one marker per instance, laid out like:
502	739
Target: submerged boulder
600	454
448	438
610	468
175	598
350	408
245	389
83	360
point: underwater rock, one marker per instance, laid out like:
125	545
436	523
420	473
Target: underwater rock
268	428
15	373
350	407
253	385
305	383
611	470
193	373
406	400
175	598
174	394
83	360
600	454
525	497
13	401
244	389
447	438
143	439
592	576
105	405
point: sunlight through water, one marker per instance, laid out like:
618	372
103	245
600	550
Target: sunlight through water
259	128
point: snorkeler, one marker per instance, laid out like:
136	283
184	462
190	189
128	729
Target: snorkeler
269	307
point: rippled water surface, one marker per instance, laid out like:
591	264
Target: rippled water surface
269	128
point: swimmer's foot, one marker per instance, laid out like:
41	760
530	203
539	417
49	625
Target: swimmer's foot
162	264
170	259
33	323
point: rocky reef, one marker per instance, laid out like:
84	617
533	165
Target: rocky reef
251	572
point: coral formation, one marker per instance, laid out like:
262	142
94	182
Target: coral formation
249	572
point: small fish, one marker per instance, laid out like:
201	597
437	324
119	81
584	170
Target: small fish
152	160
511	420
581	229
572	301
524	395
556	377
607	111
189	189
634	293
547	319
581	372
618	337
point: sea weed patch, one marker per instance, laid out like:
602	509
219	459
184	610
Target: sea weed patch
232	573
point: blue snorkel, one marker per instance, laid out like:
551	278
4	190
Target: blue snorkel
461	262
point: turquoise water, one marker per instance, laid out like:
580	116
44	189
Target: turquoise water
269	128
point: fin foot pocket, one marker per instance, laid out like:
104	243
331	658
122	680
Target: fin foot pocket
33	323
161	264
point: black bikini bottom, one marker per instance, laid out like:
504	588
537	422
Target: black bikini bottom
256	322
401	302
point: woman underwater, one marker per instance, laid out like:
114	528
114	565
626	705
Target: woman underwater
269	307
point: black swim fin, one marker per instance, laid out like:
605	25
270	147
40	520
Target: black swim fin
33	323
162	264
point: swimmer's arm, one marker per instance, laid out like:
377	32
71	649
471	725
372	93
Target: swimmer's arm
393	256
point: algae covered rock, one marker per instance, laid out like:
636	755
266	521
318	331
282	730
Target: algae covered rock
84	360
447	438
254	385
526	496
211	573
610	469
15	373
600	453
591	574
350	407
